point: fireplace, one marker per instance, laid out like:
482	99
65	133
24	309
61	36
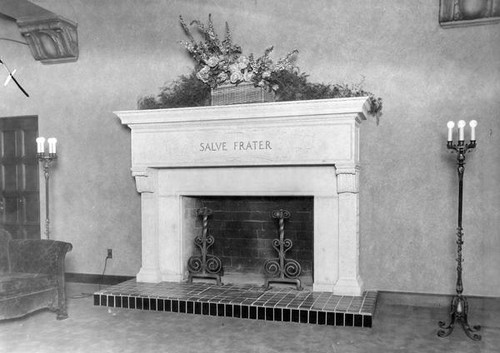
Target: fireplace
304	149
244	230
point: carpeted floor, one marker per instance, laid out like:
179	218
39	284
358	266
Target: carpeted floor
396	328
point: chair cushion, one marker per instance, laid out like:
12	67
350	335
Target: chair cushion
4	258
5	237
13	284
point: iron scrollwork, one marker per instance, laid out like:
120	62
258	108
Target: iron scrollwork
204	265
281	269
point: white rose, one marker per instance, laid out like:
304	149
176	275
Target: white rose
201	77
236	77
234	68
205	70
248	76
203	73
212	61
242	62
222	77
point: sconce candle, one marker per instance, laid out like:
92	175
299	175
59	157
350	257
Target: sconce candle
40	145
450	125
461	125
473	125
52	145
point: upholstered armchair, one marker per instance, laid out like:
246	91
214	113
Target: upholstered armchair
31	276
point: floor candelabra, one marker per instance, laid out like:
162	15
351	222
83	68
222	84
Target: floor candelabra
459	305
46	159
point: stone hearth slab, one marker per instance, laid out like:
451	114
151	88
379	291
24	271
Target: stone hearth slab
283	304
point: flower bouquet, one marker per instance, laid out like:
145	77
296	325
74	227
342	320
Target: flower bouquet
232	76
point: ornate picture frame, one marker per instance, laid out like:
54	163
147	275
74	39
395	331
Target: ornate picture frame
459	13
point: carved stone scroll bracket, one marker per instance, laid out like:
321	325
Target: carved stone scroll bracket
52	39
347	179
145	180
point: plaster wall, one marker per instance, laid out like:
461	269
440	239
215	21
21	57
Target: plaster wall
425	74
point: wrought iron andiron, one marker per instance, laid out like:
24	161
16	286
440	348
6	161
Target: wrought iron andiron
459	304
206	265
284	270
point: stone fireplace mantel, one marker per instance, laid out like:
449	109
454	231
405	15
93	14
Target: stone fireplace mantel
301	148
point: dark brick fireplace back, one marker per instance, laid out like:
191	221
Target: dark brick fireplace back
244	229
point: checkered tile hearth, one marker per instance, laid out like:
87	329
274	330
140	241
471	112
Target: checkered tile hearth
284	304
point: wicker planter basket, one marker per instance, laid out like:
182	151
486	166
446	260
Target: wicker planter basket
239	94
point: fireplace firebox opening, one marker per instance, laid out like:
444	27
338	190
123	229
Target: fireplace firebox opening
243	229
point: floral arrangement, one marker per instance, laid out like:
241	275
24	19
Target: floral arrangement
222	62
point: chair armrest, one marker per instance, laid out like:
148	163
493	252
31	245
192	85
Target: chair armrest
38	256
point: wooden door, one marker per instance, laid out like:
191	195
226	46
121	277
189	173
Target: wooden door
19	179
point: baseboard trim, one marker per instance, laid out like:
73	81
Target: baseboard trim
431	300
95	279
384	297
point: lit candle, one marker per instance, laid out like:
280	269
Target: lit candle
461	125
52	145
40	144
450	125
473	125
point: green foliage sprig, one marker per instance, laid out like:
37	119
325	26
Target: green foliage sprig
295	86
189	91
186	91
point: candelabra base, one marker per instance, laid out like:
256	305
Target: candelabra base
458	314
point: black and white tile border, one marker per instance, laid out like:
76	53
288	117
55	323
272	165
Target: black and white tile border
245	302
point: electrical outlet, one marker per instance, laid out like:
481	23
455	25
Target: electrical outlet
110	254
